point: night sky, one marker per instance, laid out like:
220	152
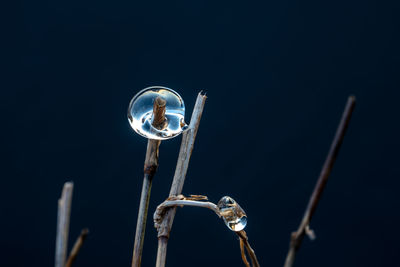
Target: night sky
277	76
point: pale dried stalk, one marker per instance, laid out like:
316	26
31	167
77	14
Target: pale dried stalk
182	201
150	168
63	218
162	208
185	152
297	237
77	246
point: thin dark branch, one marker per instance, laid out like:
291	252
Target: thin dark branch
297	237
77	246
150	168
63	218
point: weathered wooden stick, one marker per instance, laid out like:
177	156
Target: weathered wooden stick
77	246
185	152
150	168
63	218
297	237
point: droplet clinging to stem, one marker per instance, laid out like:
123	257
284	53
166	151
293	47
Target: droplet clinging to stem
232	214
168	123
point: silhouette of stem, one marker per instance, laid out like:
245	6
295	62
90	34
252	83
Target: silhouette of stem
297	237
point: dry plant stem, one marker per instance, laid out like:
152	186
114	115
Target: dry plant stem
243	253
297	237
159	113
63	218
201	204
244	241
77	246
160	211
185	152
150	168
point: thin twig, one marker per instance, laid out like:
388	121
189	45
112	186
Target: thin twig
193	203
297	237
244	240
179	178
150	168
63	218
180	200
77	246
243	253
162	208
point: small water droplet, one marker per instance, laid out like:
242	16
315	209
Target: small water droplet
232	214
140	113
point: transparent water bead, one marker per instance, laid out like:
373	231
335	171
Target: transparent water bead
140	113
234	216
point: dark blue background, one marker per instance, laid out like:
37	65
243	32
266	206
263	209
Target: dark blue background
277	73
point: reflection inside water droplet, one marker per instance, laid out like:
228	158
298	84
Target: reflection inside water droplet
233	215
140	113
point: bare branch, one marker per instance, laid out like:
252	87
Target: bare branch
63	218
161	209
243	253
77	246
243	239
297	237
150	168
185	152
180	200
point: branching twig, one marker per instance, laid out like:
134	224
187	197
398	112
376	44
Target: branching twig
297	237
244	241
77	246
63	218
150	168
243	253
185	152
180	200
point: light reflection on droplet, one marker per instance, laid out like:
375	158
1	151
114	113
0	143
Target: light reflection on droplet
140	113
233	215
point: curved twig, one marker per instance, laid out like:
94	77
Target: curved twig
181	201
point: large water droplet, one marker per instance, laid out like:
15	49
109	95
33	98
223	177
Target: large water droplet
140	113
234	216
